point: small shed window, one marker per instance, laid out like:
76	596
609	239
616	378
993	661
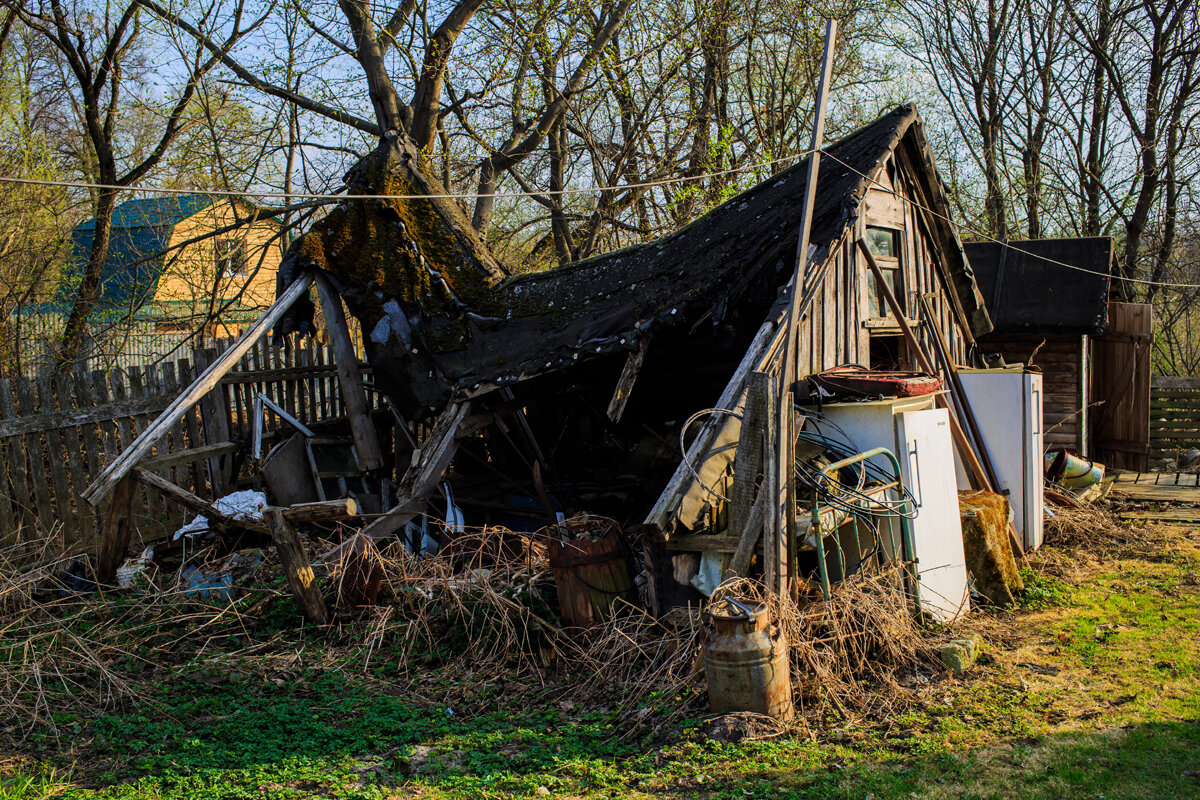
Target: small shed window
884	244
231	258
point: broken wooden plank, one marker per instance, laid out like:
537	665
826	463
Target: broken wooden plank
366	443
1182	515
739	564
296	567
190	456
430	461
703	543
115	531
629	376
74	417
747	462
122	464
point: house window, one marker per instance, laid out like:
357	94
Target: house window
231	258
884	244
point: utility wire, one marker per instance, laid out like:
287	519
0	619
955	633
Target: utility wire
288	196
986	237
465	196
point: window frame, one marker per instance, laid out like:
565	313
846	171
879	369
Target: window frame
893	264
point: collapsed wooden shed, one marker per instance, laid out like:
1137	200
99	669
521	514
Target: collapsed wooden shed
570	390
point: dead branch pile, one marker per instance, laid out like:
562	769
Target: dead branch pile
489	598
486	600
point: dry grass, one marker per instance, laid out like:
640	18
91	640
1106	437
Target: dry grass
486	602
1090	526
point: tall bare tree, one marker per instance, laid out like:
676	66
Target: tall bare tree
99	46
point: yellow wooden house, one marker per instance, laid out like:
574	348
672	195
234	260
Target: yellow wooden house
182	261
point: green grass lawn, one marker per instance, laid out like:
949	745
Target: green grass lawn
1087	690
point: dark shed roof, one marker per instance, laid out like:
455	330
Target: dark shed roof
141	231
726	268
1027	293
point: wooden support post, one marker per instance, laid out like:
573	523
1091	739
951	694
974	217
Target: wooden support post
133	454
773	522
295	564
366	442
629	376
324	511
116	531
785	471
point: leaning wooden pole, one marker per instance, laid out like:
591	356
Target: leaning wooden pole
362	429
130	456
785	472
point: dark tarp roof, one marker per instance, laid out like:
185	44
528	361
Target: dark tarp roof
1026	293
725	269
141	231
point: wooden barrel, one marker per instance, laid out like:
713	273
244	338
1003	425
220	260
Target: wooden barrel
590	570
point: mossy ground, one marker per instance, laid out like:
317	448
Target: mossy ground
1088	689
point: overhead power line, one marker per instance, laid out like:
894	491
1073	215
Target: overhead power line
1010	246
288	196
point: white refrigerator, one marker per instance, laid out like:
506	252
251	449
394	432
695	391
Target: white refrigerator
1007	404
919	436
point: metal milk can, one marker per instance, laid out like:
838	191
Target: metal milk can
746	661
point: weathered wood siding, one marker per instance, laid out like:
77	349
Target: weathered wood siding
836	329
1066	396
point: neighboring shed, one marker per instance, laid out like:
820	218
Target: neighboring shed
167	254
1046	314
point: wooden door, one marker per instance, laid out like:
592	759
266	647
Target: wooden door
1120	412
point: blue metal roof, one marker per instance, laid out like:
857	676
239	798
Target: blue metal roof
141	231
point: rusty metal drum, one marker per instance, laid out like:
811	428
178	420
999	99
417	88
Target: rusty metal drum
746	661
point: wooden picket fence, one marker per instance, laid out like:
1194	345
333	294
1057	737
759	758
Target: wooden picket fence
57	434
1174	416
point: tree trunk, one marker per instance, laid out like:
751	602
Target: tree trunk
75	333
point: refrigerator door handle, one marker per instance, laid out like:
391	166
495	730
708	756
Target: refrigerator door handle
914	470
